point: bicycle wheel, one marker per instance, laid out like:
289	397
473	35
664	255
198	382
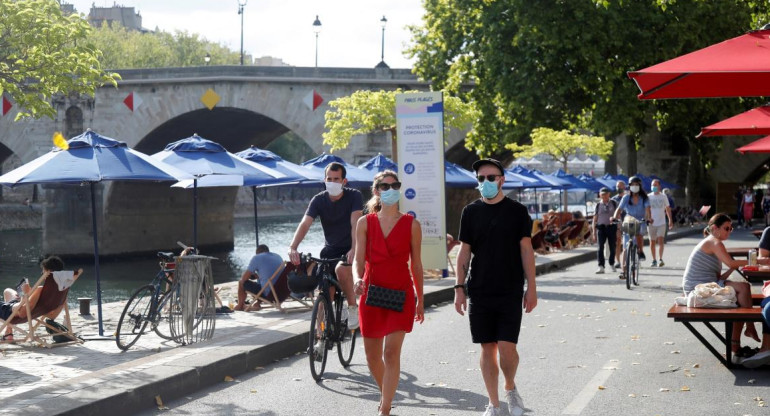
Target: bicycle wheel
162	322
346	338
630	250
319	336
135	317
635	268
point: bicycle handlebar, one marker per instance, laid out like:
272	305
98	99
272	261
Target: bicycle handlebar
309	257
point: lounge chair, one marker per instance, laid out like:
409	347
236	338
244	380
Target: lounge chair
279	291
45	300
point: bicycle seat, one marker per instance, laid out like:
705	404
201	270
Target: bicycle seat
166	256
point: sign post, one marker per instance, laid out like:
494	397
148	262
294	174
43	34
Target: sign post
420	129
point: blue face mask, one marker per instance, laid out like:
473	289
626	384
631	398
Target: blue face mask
390	197
488	189
655	189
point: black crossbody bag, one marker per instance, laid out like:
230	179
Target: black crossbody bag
383	297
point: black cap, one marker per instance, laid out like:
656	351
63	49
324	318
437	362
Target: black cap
481	162
604	189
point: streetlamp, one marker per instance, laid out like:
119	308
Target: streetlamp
241	5
317	30
207	58
382	63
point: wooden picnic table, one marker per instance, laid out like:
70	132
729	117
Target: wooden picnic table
757	233
755	276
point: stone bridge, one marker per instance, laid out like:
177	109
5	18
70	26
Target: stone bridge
254	106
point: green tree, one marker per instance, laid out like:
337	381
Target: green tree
365	112
562	144
563	64
44	53
127	49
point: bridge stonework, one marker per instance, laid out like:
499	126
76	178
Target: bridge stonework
257	104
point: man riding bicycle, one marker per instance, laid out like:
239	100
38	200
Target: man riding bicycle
339	208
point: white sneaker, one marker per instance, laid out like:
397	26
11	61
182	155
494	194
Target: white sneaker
600	270
757	360
737	360
493	411
353	317
614	268
515	404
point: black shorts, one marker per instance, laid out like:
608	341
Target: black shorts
495	318
252	286
333	253
6	309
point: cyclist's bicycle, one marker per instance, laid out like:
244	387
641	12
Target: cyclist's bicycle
148	306
631	227
329	324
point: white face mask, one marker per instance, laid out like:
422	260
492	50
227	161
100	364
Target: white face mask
334	188
635	188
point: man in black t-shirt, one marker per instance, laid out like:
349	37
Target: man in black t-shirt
497	257
339	209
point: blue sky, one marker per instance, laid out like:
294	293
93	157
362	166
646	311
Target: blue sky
350	35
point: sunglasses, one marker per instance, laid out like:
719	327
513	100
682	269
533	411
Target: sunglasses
729	228
489	178
386	186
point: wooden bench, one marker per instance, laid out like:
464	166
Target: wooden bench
729	316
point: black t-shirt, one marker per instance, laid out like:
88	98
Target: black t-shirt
335	217
494	232
764	241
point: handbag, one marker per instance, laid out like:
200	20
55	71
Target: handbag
383	297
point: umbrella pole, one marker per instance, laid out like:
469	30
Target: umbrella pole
96	262
256	219
195	214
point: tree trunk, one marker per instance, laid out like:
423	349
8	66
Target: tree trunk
631	156
611	164
693	176
393	145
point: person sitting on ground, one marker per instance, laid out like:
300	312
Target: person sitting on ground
261	268
12	301
705	266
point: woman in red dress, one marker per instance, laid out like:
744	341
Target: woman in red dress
386	240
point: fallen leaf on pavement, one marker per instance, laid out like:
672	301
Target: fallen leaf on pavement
664	390
632	395
752	381
696	366
668	343
684	388
675	352
602	387
635	337
228	378
253	390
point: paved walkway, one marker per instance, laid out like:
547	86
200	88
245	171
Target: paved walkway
97	378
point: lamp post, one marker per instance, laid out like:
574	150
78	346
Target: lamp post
241	5
207	58
317	30
382	63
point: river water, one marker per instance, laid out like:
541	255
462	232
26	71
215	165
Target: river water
20	256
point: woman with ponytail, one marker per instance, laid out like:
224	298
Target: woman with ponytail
387	244
705	266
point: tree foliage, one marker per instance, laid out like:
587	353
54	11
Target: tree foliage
365	112
561	145
44	53
562	64
126	49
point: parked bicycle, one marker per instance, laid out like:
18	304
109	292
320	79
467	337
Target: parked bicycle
149	306
631	227
329	325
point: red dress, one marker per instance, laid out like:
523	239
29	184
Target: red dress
387	259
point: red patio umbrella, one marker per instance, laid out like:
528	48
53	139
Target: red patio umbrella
753	122
737	67
760	146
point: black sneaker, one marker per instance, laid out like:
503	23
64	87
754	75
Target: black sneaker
642	256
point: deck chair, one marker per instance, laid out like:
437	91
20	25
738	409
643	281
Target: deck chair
279	290
46	299
538	242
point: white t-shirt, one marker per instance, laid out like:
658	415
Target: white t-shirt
658	204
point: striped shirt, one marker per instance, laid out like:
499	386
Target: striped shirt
701	268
